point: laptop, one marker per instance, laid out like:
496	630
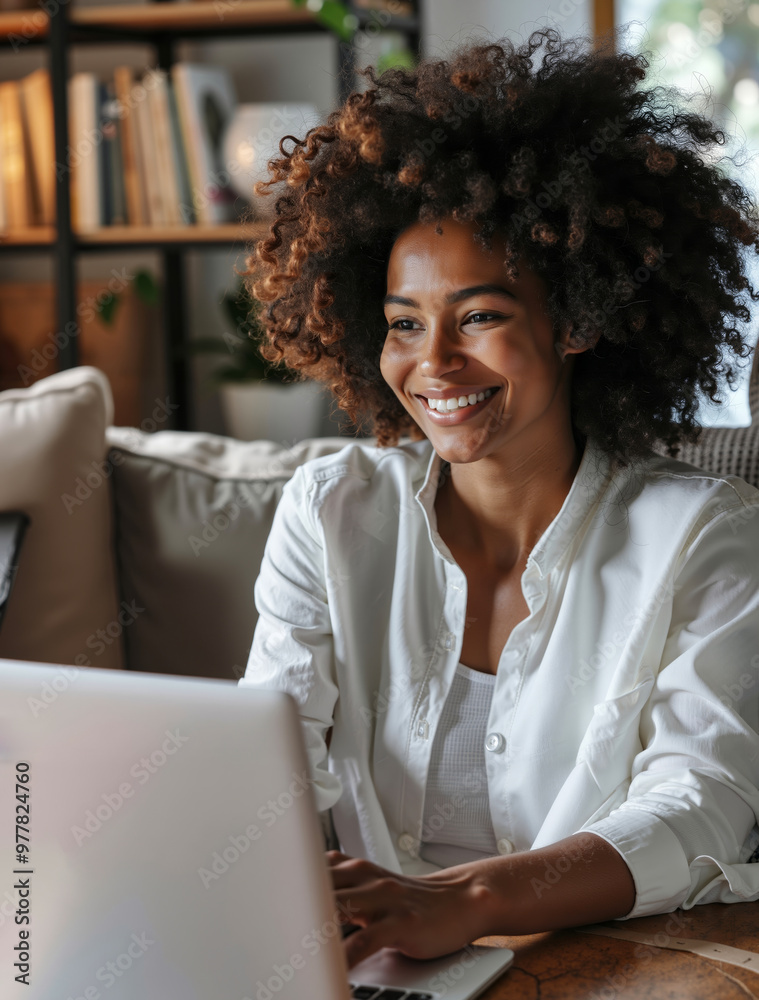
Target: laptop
159	841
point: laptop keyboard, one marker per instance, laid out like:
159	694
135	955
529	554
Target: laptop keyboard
387	993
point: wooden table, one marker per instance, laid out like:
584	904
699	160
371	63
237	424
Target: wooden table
563	965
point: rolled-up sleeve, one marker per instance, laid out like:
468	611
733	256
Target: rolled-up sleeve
686	828
292	647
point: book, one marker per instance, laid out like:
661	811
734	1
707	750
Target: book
158	102
86	152
37	106
113	169
14	160
184	186
136	207
3	218
104	159
148	165
206	101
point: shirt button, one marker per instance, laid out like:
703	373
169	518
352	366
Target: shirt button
505	846
449	640
495	743
407	843
423	729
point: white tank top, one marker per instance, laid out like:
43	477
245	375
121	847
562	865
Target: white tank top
456	825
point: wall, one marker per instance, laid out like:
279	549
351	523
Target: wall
449	23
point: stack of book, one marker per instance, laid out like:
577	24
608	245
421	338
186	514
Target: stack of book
143	150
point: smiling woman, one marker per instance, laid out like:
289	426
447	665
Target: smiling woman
508	637
468	329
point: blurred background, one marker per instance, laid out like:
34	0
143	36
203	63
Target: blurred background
165	112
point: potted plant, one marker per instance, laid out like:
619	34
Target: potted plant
260	400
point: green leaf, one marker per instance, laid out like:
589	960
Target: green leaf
106	307
146	288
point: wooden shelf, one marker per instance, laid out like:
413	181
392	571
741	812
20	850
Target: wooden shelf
22	26
124	236
161	235
34	236
176	17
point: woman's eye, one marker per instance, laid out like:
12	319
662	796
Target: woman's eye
481	317
401	324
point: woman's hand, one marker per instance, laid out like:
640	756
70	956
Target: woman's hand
424	916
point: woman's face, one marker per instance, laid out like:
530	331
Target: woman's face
469	353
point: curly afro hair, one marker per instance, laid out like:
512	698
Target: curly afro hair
610	192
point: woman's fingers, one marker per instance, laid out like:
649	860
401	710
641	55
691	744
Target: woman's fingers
346	871
336	857
366	903
365	941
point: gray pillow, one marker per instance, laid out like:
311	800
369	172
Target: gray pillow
192	513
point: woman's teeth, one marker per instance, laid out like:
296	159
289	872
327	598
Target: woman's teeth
456	403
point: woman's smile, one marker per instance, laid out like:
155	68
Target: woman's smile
461	405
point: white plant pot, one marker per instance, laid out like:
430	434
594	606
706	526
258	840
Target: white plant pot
254	411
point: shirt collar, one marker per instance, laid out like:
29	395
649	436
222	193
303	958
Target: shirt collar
587	488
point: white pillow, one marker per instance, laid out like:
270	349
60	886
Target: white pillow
63	606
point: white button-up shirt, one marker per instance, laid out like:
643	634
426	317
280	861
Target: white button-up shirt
626	703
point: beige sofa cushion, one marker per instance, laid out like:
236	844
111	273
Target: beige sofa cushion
63	607
193	512
731	450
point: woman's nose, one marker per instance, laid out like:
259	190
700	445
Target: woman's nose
440	353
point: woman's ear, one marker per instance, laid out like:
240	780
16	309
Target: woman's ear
567	344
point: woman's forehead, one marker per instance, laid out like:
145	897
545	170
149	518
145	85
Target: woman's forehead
447	253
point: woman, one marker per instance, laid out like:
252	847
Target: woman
511	637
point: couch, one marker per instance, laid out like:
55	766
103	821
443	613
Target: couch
144	544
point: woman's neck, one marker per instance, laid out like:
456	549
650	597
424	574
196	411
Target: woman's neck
500	507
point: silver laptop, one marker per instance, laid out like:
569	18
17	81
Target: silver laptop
159	841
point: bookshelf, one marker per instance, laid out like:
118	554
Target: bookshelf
150	237
160	23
